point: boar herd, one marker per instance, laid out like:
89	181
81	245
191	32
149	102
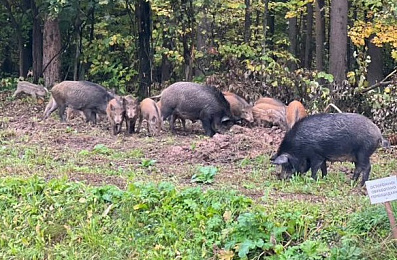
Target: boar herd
309	141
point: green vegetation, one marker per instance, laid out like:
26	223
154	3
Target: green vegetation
154	218
60	219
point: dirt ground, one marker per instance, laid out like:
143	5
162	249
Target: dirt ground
175	155
171	152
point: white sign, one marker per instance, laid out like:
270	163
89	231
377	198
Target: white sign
382	190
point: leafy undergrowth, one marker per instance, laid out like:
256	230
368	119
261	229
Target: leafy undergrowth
60	219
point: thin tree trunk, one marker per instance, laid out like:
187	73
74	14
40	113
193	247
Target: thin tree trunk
203	30
19	38
292	35
320	34
247	22
338	40
37	44
166	66
375	67
309	35
76	63
143	18
51	52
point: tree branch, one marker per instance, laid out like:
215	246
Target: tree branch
378	84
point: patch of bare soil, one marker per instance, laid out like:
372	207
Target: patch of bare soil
175	155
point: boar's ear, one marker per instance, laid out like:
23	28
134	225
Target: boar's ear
281	159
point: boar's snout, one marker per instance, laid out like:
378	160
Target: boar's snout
286	167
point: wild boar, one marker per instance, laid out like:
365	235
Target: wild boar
239	107
151	113
31	89
269	114
294	112
269	100
132	112
115	112
194	101
85	96
329	137
73	113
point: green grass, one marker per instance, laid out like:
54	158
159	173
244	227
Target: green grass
57	219
164	215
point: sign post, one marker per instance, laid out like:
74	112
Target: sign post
383	191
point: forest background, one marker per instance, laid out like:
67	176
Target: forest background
319	52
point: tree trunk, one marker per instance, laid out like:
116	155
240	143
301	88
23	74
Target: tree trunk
187	25
19	37
143	19
76	62
203	44
247	22
166	66
37	44
292	35
309	34
375	68
51	52
320	34
338	40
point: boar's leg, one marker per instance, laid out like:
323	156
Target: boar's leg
118	128
114	129
324	169
172	122
362	166
51	107
90	116
366	174
316	164
139	124
61	112
130	125
207	127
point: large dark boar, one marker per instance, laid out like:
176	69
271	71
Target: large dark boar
239	107
329	137
85	96
132	112
151	113
294	112
194	101
115	112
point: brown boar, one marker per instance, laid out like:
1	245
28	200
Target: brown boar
85	96
294	112
115	112
73	113
269	100
269	114
239	107
151	113
132	112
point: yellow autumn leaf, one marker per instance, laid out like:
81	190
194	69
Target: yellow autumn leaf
394	54
227	216
225	255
